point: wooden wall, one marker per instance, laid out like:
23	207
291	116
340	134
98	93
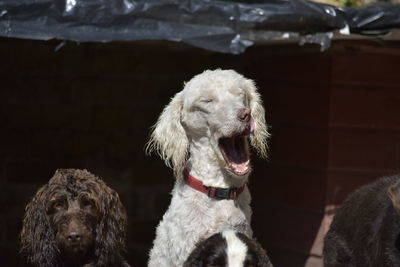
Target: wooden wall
334	120
364	118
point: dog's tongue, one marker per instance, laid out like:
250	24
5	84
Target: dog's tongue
240	168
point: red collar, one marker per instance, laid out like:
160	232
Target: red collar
213	192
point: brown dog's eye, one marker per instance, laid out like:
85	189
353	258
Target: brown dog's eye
87	203
56	205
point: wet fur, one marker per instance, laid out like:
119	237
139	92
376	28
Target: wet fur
107	224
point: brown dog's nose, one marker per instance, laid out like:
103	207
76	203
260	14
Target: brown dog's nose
74	237
244	114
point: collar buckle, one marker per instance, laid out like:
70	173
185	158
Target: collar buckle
222	193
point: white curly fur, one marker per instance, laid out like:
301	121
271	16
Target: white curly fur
186	135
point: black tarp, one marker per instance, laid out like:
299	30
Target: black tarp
224	26
373	19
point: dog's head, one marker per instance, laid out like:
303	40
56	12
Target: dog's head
228	248
73	210
220	105
74	219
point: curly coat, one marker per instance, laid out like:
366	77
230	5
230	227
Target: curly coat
100	213
207	129
365	231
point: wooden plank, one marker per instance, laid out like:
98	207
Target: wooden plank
375	109
286	228
289	186
362	150
369	67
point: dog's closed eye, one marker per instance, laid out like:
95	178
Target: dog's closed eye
202	105
206	100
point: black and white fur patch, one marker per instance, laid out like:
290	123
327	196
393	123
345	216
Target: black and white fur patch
228	249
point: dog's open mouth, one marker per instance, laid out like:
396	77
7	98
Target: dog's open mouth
235	151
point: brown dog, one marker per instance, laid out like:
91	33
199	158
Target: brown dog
74	220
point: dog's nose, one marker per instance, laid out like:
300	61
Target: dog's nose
244	114
74	237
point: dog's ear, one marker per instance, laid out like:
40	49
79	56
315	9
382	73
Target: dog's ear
255	249
111	230
37	236
393	193
199	255
260	135
168	138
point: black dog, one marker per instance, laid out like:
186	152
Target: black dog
74	220
366	228
228	249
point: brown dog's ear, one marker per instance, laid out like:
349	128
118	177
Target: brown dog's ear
37	237
111	230
393	193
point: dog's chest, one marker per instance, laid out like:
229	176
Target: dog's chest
226	214
199	213
193	216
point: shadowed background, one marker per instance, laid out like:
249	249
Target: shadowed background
334	117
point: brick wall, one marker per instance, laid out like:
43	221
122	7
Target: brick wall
91	106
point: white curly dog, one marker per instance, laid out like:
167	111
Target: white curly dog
203	135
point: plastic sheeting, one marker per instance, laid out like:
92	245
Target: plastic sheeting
224	26
374	20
